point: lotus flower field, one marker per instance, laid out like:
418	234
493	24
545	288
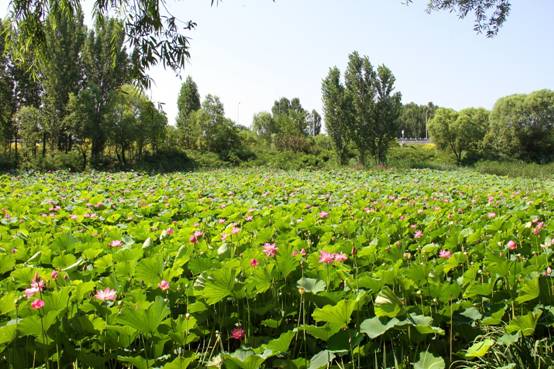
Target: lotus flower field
257	269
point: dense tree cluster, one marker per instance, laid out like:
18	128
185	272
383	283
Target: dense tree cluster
364	110
289	126
414	119
519	127
78	103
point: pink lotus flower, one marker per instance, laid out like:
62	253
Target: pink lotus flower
73	217
301	252
490	199
418	234
221	221
340	257
538	228
37	283
323	214
548	271
235	230
249	218
30	292
164	285
54	275
512	245
169	231
106	294
326	257
491	215
270	249
238	333
224	236
196	236
445	254
116	243
37	304
254	263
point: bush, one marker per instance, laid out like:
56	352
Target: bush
7	163
166	160
72	161
419	157
516	169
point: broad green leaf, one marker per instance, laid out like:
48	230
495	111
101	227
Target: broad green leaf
386	304
180	363
375	327
429	361
311	285
337	315
281	344
524	324
138	361
479	349
220	284
321	359
528	291
8	333
8	302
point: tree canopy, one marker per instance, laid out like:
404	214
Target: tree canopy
156	36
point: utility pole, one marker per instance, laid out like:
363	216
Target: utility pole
238	113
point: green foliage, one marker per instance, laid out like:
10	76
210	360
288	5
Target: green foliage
336	113
241	252
187	103
414	119
365	110
522	126
460	133
516	169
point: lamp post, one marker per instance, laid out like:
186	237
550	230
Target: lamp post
238	113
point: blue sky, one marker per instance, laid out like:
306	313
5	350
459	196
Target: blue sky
255	51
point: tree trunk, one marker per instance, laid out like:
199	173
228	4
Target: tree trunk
44	145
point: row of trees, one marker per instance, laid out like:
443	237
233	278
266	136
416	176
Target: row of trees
203	125
81	99
519	127
364	110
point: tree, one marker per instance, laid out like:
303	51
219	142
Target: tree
490	15
30	125
61	71
103	80
314	123
154	35
336	112
360	88
157	36
414	119
387	113
187	103
264	125
522	126
290	116
459	132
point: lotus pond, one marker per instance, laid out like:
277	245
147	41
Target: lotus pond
248	269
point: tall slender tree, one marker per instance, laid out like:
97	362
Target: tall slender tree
387	107
187	103
360	87
102	80
336	110
61	71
